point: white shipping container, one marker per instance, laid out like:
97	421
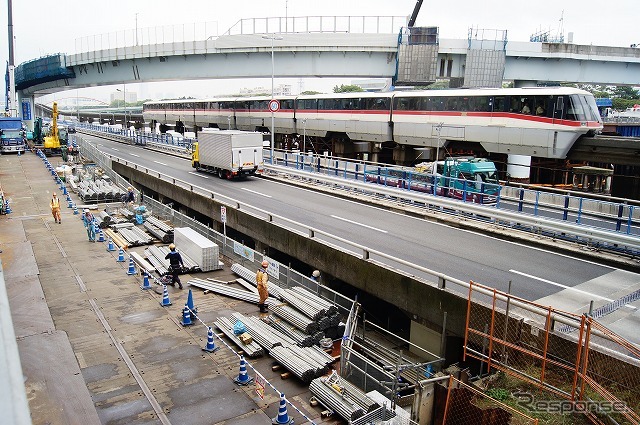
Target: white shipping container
200	249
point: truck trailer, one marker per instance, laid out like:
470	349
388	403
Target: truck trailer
228	153
12	135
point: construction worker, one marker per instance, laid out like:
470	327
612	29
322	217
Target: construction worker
262	279
175	265
55	208
87	219
130	196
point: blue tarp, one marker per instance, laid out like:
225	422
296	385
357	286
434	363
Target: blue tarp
604	102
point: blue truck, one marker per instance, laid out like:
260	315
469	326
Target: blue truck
12	135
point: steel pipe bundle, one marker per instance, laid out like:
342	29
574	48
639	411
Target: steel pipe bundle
328	321
299	362
311	297
130	215
159	234
309	309
329	397
166	228
262	333
250	276
343	397
302	339
229	291
296	318
246	285
160	265
141	262
122	225
104	219
135	236
226	326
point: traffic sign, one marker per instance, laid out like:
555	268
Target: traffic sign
223	214
274	105
260	385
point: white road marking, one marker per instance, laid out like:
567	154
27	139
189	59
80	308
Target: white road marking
133	154
560	285
359	224
161	163
199	175
115	149
257	193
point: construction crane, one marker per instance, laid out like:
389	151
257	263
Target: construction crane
414	14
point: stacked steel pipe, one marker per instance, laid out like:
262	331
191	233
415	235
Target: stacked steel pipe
301	361
158	233
296	318
166	228
229	291
250	276
307	307
134	236
302	339
313	298
343	397
262	333
226	326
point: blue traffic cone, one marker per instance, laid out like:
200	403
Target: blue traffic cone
110	246
120	256
70	203
7	208
283	416
243	377
132	267
165	297
100	236
64	190
211	346
190	303
186	317
145	281
75	209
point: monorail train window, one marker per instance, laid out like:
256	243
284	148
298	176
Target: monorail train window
589	110
377	104
286	104
575	111
310	104
499	104
479	104
439	104
401	103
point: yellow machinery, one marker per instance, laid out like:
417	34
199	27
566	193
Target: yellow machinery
52	141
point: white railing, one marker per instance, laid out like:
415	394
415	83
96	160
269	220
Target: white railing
201	31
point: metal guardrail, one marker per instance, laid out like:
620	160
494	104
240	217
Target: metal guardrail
493	215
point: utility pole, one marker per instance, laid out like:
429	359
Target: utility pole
11	107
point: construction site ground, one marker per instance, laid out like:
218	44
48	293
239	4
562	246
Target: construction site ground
96	349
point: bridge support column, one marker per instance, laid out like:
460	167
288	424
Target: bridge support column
519	168
406	155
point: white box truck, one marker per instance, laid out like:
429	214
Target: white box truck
228	153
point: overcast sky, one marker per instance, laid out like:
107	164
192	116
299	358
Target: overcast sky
43	27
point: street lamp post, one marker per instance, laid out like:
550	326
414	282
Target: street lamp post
273	125
304	136
124	97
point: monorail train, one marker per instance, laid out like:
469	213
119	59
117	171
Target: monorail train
534	121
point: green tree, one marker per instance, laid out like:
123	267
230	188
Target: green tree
310	92
347	88
626	92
